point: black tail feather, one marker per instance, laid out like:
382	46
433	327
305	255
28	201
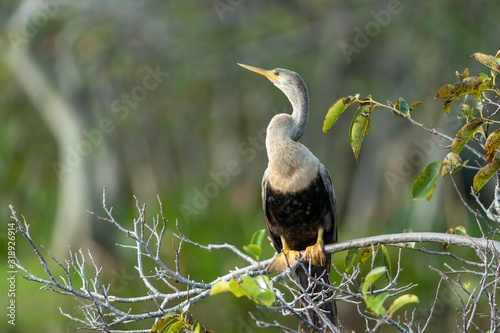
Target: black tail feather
321	274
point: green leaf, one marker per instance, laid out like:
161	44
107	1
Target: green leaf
382	260
253	249
425	184
403	106
451	163
263	282
488	60
392	106
336	110
387	259
484	174
185	308
176	327
219	287
257	289
376	304
479	107
371	277
414	105
255	246
401	301
255	284
491	146
165	321
249	285
265	298
360	125
236	288
231	285
460	230
464	134
351	255
467	111
258	237
466	286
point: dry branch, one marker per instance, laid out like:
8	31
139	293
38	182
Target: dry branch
102	311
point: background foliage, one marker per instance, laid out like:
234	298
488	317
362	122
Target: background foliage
196	139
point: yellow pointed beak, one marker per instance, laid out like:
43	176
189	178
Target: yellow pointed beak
268	73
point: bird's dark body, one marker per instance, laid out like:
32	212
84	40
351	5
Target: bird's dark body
298	216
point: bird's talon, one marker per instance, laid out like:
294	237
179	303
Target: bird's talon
283	261
315	254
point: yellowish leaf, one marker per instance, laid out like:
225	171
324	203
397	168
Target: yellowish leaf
484	174
491	146
451	163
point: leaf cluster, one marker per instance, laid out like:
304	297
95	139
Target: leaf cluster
375	303
471	92
378	277
258	289
360	124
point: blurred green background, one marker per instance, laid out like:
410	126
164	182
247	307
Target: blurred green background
81	110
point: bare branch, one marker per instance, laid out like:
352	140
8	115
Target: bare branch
420	237
101	310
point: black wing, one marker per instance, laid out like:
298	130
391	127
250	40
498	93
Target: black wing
274	237
331	220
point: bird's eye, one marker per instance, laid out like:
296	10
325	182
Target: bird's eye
276	73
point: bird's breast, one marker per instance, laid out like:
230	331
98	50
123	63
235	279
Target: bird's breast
291	178
292	167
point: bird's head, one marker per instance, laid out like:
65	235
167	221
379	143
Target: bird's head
287	81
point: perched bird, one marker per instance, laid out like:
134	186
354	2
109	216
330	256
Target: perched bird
297	194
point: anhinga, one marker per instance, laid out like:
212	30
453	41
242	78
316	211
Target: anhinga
297	192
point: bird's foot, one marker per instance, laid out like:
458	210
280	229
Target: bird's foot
316	254
283	261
